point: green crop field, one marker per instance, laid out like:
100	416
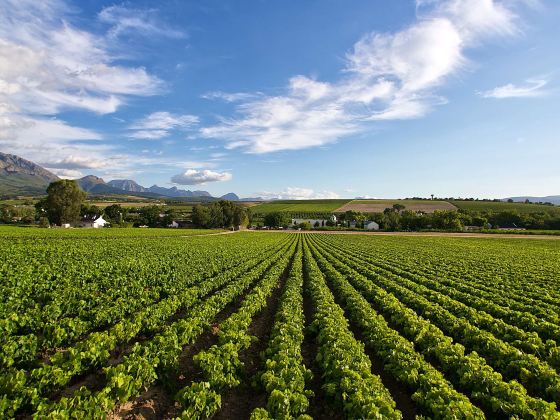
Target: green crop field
142	323
299	206
505	206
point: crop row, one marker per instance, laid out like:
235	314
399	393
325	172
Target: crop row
467	371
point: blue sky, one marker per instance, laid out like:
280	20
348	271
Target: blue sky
288	99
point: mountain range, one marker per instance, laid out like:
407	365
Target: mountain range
554	199
19	176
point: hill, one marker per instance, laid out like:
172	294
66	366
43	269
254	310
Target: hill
378	206
19	176
126	185
300	206
554	199
230	196
497	206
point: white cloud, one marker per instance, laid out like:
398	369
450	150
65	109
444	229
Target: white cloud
532	89
78	162
66	173
198	177
159	125
136	21
48	65
229	97
387	76
297	193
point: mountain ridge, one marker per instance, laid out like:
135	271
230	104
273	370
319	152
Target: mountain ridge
554	199
23	177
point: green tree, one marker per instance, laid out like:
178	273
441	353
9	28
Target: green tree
276	219
115	213
217	218
90	211
239	216
149	216
200	216
398	207
64	201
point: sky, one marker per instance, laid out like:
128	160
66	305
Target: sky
288	99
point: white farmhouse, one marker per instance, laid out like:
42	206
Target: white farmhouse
312	222
371	226
98	222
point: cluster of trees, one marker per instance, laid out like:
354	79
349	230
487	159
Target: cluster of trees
457	220
65	203
221	214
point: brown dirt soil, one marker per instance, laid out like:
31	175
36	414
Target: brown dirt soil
239	402
320	406
399	392
435	234
157	402
379	207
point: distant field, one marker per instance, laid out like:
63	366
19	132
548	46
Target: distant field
503	206
34	233
299	206
377	206
126	203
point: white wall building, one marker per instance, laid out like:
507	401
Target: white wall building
371	226
322	222
99	222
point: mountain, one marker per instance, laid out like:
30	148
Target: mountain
96	185
23	177
90	182
230	196
175	192
126	185
554	199
19	176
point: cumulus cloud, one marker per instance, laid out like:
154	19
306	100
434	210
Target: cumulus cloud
78	162
532	89
48	65
229	97
159	125
66	173
136	21
198	177
297	193
387	76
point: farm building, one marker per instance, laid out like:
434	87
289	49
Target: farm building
312	222
370	225
98	222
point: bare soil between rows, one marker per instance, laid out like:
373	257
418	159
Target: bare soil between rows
419	234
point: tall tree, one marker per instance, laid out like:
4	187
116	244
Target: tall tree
64	201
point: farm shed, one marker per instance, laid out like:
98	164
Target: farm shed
371	225
322	222
95	223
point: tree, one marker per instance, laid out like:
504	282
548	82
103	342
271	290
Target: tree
239	216
64	201
115	213
90	211
398	207
217	217
149	216
276	219
200	216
